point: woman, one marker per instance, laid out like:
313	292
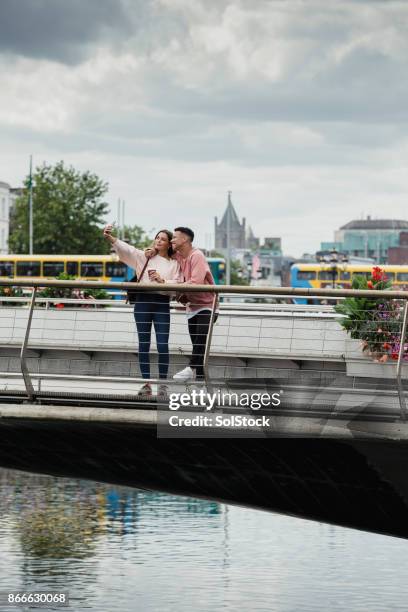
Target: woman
151	308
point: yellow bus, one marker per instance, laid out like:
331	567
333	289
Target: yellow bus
339	275
84	267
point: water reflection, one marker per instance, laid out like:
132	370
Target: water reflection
61	518
115	548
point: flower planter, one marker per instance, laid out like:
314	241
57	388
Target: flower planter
374	326
359	364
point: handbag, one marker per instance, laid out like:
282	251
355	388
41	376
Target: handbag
182	298
133	293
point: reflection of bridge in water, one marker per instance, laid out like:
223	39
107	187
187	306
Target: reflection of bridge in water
334	449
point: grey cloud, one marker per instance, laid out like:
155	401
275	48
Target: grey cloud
297	102
58	29
127	137
355	103
366	86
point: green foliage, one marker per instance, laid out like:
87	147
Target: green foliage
11	291
67	292
356	310
56	292
238	276
136	236
68	213
374	321
98	294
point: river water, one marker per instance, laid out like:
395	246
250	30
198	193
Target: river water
115	548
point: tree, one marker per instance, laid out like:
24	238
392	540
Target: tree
136	236
238	274
68	213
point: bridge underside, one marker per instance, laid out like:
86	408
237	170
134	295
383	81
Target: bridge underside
354	483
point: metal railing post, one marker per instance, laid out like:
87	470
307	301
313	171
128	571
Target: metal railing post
402	402
208	343
24	369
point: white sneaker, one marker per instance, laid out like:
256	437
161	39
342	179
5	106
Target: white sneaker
186	374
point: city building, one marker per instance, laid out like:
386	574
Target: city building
369	238
8	196
399	255
236	228
252	242
4	216
270	261
273	246
259	262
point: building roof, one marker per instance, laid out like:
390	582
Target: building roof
375	224
234	221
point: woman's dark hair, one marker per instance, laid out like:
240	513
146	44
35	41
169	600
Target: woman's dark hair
185	230
169	235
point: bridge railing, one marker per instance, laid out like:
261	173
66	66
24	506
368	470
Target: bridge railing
243	330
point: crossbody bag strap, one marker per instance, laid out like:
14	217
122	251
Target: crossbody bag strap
143	270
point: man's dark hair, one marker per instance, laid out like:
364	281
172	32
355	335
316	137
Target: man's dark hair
186	230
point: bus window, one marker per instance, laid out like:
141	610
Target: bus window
28	268
345	276
366	274
306	275
390	276
221	274
72	268
116	269
6	268
53	268
327	275
402	277
91	268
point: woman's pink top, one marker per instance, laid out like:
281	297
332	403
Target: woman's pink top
169	269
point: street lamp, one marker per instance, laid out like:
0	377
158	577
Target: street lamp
334	259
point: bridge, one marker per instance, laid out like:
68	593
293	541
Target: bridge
333	450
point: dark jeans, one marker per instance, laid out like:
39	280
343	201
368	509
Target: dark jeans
153	308
198	327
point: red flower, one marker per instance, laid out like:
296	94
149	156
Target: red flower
394	356
370	285
377	274
386	346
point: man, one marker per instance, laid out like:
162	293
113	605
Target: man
196	271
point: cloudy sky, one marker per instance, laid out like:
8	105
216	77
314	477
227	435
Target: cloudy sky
299	107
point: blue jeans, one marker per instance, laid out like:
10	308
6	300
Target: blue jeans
153	308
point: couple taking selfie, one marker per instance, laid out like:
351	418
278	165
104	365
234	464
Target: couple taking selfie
171	259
